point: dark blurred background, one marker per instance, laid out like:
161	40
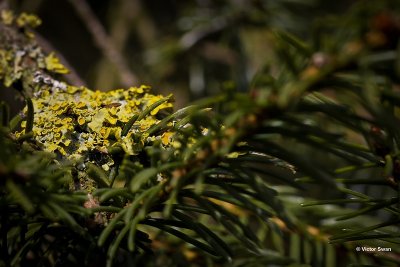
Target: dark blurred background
189	48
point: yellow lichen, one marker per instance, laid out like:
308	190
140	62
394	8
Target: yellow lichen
77	121
81	120
7	17
28	20
166	138
53	64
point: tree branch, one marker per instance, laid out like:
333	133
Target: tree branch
104	42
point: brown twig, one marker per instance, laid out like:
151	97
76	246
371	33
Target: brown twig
104	42
3	4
